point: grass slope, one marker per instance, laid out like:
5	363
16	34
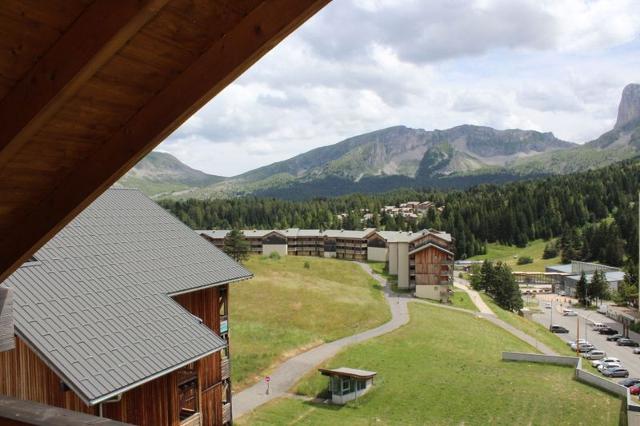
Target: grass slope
499	252
532	328
461	299
287	308
444	368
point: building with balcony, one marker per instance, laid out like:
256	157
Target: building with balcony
124	314
422	261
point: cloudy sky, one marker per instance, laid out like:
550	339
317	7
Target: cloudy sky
363	65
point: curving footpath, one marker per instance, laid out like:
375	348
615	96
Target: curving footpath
289	372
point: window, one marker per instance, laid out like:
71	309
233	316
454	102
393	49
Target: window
361	384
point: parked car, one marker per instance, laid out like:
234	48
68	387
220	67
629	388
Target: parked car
627	342
595	354
608	365
636	350
547	305
616	372
569	313
615	337
574	346
608	331
586	347
634	390
627	383
573	342
558	329
603	360
603	309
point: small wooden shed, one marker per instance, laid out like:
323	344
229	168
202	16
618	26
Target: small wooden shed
347	384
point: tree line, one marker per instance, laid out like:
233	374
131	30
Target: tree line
594	213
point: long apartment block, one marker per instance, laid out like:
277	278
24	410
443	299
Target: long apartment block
422	261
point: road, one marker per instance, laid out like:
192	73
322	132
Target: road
630	361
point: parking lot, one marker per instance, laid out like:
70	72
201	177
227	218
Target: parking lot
630	361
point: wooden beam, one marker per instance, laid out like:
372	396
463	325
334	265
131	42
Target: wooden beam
224	61
91	40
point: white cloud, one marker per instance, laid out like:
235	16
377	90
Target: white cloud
362	65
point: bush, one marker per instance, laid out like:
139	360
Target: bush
523	260
550	250
274	255
307	265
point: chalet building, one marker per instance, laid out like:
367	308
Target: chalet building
305	242
422	261
351	245
123	314
337	243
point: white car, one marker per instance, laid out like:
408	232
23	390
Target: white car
595	354
572	343
607	365
569	313
607	359
581	344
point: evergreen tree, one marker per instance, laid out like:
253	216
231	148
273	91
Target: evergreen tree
598	287
236	246
507	293
582	289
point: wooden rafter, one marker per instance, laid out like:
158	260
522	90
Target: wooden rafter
224	60
91	40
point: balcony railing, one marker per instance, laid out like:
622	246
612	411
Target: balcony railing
225	368
226	412
193	420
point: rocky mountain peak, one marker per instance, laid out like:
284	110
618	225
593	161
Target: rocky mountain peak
629	109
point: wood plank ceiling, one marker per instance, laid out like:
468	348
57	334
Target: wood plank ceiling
88	88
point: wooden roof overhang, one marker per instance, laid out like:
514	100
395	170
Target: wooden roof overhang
89	87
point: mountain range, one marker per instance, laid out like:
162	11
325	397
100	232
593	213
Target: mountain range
398	157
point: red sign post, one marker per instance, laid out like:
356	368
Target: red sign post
267	380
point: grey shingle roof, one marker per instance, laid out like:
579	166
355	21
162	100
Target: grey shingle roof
95	306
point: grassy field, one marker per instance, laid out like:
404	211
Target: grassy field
444	368
460	299
498	252
379	268
287	308
530	327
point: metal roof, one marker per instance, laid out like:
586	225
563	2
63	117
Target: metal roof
97	309
342	233
215	234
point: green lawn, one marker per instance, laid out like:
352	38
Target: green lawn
444	368
460	299
379	268
287	308
532	328
499	252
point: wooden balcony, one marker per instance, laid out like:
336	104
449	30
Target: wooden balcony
226	413
225	368
193	420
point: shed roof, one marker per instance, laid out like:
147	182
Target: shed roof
348	372
96	305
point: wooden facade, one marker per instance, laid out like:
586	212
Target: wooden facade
89	87
156	403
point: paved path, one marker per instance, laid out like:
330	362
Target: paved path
475	297
488	314
289	372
